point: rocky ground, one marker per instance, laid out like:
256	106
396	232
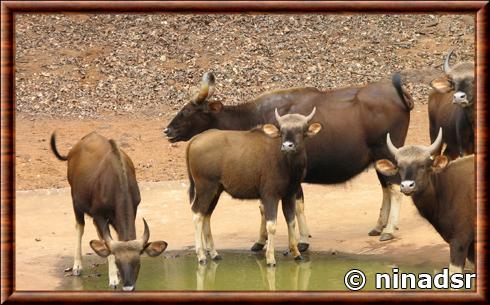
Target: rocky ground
93	65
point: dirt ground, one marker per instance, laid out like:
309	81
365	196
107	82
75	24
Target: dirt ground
339	216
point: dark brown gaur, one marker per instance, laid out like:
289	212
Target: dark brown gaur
253	164
452	107
103	186
355	122
442	191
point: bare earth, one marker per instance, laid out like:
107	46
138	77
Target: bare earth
339	216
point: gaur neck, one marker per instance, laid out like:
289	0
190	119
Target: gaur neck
427	201
125	218
296	167
238	117
470	115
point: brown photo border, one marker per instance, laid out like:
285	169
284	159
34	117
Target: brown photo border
10	8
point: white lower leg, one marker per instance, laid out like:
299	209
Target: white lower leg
113	277
77	264
304	232
198	220
455	269
271	231
396	198
293	246
208	237
263	231
384	212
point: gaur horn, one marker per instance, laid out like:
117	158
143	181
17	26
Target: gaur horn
278	117
393	150
310	116
106	234
447	68
146	233
437	143
207	88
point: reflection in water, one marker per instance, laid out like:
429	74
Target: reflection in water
206	275
244	271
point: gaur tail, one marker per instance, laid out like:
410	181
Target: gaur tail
404	96
192	189
54	150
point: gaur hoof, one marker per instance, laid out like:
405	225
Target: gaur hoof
271	265
374	232
113	286
386	236
203	261
257	247
217	258
302	247
299	258
76	272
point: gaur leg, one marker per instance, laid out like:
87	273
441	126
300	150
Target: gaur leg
79	226
270	206
288	209
203	199
472	254
383	213
304	232
458	251
395	205
208	236
259	245
111	259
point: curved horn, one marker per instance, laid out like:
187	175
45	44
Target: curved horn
310	116
437	143
393	150
207	88
146	233
446	67
278	117
106	234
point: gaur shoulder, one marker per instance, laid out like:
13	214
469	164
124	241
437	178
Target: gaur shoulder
461	162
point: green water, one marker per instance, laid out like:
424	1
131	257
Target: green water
244	271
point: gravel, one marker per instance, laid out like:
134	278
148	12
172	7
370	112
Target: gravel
95	65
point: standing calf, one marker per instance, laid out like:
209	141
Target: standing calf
103	186
251	164
442	192
452	107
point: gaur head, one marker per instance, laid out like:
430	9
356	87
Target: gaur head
195	117
460	79
127	253
414	163
293	129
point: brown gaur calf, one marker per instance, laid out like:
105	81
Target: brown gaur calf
452	107
103	186
442	191
254	164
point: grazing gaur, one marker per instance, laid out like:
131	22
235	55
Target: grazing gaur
452	107
355	122
443	192
254	164
103	186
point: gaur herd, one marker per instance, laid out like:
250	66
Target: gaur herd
265	149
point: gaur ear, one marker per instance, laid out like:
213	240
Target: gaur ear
155	248
313	129
439	163
271	130
441	85
386	168
214	106
100	248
